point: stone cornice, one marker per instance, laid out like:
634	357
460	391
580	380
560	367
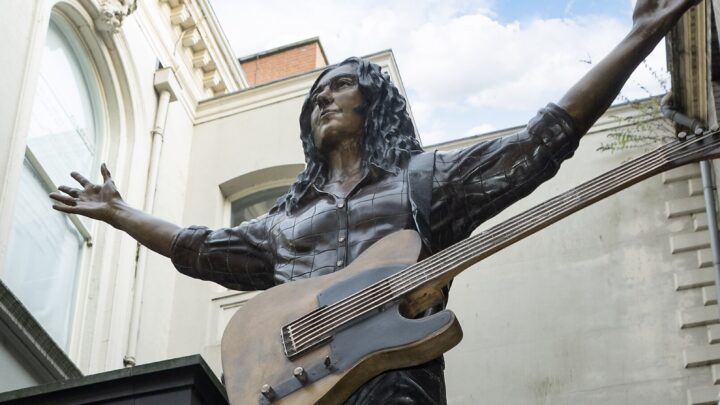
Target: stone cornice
165	43
230	67
186	36
206	50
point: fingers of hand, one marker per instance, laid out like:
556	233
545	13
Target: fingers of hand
65	199
66	209
105	172
80	179
70	191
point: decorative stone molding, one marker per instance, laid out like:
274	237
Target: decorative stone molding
186	19
203	60
172	3
112	14
181	16
192	39
211	79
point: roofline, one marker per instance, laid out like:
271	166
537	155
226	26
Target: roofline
484	135
378	53
294	76
497	132
284	48
210	109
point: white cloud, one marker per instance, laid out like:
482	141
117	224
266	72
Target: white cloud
422	112
457	59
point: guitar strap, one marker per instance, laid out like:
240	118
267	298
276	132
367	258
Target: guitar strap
420	178
421	172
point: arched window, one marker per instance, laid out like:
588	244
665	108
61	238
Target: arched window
253	194
254	205
46	247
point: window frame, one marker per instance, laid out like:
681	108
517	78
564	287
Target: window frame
76	42
82	53
225	301
245	195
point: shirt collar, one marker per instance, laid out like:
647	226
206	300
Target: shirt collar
373	173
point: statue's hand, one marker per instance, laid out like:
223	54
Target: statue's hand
93	200
660	15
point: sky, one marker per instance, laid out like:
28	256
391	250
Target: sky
468	66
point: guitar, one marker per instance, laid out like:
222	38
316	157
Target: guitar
318	340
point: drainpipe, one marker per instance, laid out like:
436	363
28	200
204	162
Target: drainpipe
167	87
706	174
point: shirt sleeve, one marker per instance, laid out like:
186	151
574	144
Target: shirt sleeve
238	258
473	184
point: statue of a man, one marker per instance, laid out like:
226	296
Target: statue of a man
358	142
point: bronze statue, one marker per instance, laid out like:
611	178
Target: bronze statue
359	185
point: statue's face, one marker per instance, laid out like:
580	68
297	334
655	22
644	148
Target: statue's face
337	104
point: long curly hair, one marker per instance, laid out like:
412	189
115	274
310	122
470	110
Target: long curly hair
389	135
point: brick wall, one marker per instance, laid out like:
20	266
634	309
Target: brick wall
278	65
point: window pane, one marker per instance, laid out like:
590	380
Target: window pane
43	256
254	205
62	129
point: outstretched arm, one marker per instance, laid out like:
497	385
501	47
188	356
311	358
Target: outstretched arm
587	100
236	258
104	203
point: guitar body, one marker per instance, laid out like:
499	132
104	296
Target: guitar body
252	345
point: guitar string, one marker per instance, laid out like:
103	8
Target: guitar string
508	224
653	157
409	286
488	247
302	335
581	192
563	198
412	273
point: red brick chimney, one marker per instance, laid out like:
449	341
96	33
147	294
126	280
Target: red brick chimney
285	61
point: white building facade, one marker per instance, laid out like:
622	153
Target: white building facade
585	311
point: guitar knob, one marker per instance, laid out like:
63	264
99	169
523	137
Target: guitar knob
268	392
300	374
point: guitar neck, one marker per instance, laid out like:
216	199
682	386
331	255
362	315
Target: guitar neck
440	268
448	263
